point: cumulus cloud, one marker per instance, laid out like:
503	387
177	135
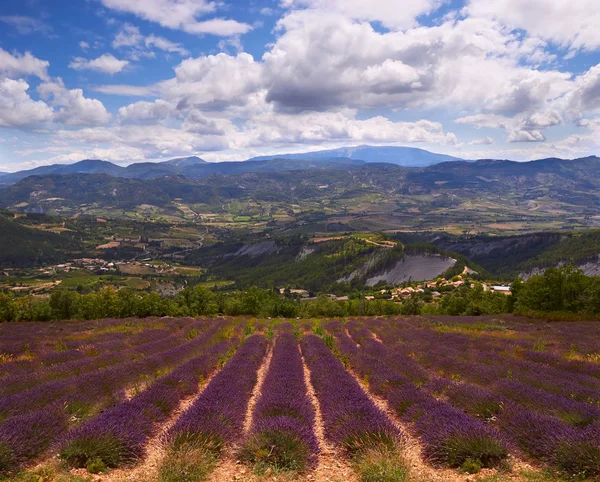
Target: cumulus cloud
585	97
467	64
387	13
146	112
521	128
22	65
181	15
276	128
73	108
17	108
106	63
213	81
567	23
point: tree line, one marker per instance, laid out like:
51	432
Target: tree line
558	290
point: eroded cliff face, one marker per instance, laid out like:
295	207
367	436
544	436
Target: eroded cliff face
414	268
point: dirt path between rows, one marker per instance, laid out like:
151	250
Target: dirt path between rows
147	470
412	448
229	468
332	466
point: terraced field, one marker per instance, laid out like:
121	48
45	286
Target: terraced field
381	399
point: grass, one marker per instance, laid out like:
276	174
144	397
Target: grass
484	451
276	451
380	464
94	451
187	463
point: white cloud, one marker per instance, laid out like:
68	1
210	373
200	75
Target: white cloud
27	25
272	128
181	15
130	37
468	64
146	112
21	65
106	63
213	81
73	108
521	128
585	97
568	23
389	13
128	90
17	109
154	140
83	45
486	141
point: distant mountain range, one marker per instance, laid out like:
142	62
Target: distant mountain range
556	185
191	168
197	168
402	156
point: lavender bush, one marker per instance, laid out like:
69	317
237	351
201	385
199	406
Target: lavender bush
117	436
282	433
217	416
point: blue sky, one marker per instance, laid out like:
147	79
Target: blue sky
135	80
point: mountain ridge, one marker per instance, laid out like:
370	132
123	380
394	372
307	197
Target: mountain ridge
400	155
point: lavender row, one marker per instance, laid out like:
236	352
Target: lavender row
217	416
462	353
73	349
351	419
450	437
282	422
500	375
83	392
118	435
97	389
89	360
34	339
550	440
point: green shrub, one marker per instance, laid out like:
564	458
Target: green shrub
380	464
96	466
471	466
276	450
488	452
188	463
108	450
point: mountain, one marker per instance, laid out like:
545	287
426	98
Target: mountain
184	161
403	156
88	166
482	195
199	171
189	167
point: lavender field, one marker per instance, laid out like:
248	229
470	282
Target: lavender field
365	399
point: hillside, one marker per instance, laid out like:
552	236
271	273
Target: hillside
352	261
24	246
483	196
509	256
191	168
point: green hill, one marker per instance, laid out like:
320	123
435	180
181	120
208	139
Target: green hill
24	246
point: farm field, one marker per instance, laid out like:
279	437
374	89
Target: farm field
418	398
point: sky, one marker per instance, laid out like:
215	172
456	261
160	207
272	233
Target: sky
145	80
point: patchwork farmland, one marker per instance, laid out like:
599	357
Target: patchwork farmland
365	399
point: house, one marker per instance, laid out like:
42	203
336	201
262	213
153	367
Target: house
505	290
369	298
